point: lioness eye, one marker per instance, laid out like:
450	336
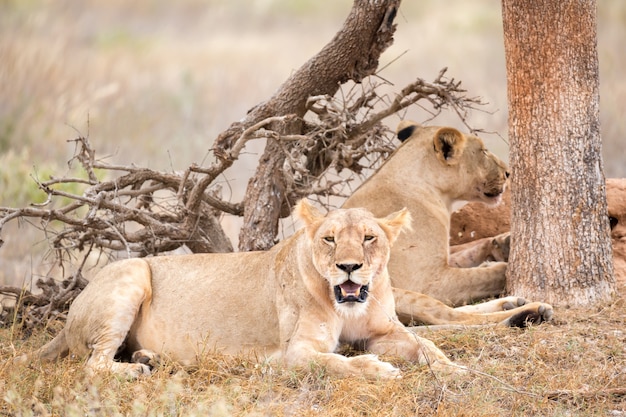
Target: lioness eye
329	239
368	238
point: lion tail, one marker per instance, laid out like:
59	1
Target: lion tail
55	349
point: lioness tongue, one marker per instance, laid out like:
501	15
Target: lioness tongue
350	287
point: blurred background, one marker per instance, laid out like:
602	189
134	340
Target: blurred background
153	82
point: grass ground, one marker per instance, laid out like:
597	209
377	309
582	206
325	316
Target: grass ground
573	366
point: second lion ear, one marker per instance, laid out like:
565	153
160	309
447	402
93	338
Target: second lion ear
395	223
449	145
309	215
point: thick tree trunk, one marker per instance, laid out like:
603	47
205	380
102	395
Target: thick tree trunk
351	55
561	249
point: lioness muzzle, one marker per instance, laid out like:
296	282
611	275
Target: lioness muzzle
351	292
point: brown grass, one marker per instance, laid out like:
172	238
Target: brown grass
573	366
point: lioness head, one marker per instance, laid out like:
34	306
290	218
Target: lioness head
350	249
470	171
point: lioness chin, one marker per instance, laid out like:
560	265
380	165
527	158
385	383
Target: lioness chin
326	285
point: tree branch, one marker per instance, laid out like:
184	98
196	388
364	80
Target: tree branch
351	55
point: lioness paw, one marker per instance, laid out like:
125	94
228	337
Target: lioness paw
136	370
448	368
513	302
371	366
388	371
125	370
546	312
146	357
533	313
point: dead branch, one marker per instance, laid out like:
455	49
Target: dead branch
101	215
583	394
33	310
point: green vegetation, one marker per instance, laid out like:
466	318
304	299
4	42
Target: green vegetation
17	179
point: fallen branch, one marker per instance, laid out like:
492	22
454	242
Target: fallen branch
572	395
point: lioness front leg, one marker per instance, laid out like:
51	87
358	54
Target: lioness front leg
407	345
315	340
477	252
303	355
499	304
415	307
461	286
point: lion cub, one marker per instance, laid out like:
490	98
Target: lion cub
328	284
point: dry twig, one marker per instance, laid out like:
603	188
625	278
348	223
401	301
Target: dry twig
572	395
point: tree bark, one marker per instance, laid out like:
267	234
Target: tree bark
351	55
561	248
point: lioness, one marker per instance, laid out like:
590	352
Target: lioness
432	169
327	284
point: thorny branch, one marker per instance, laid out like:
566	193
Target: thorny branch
134	211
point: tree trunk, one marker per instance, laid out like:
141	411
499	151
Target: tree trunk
561	249
351	55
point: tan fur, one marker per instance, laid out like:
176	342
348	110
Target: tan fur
434	168
477	252
279	304
475	221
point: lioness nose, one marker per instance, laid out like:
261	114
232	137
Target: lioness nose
349	268
507	174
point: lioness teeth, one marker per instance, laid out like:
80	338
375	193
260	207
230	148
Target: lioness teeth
350	291
355	292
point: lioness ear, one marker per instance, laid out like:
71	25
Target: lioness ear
405	129
449	144
307	213
394	223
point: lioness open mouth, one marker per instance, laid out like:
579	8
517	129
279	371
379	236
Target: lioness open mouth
493	194
493	198
351	292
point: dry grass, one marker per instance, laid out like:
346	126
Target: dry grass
574	366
